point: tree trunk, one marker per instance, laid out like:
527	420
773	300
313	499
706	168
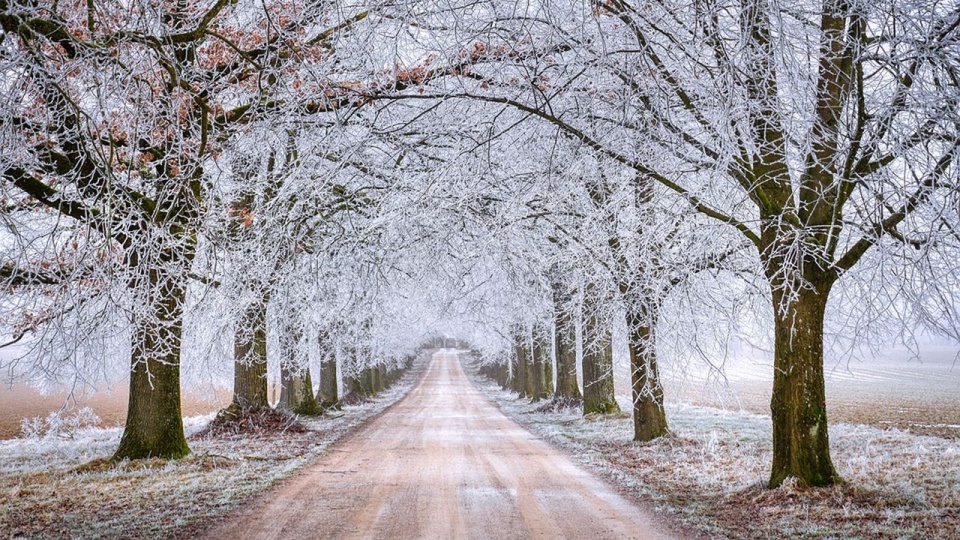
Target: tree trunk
328	397
649	417
296	387
542	368
566	352
154	426
515	376
524	368
801	446
598	390
296	392
250	359
503	375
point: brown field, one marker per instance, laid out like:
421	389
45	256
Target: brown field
22	401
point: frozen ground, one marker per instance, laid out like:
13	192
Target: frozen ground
59	486
711	472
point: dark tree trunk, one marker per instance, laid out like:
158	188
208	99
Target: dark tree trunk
250	360
566	352
649	417
524	367
801	446
598	390
296	393
154	426
515	374
362	383
328	397
296	387
542	363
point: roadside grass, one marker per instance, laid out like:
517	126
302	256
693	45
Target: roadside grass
711	473
52	487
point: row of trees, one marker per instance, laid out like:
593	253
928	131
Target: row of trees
823	134
360	176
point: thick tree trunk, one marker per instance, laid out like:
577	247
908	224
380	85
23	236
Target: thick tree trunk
524	368
566	352
542	363
362	383
296	387
154	426
328	396
250	360
649	417
296	392
598	390
801	446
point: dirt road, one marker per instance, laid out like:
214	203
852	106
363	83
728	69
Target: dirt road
442	463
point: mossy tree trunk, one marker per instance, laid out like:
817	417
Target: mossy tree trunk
801	445
296	386
542	363
566	353
328	395
598	389
154	426
250	359
524	366
649	416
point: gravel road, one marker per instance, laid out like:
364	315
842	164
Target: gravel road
443	462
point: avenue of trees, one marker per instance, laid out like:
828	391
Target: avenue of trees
235	184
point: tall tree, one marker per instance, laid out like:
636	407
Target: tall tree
597	359
565	347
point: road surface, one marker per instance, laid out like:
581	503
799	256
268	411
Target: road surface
442	463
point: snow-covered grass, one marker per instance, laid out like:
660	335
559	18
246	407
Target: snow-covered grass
63	487
711	473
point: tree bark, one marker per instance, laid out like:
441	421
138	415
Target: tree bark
566	352
542	363
524	367
515	377
649	416
296	387
328	396
801	445
598	390
154	426
250	359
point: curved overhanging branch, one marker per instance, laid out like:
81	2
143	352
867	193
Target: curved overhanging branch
598	147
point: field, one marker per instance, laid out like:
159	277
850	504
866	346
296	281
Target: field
920	395
110	406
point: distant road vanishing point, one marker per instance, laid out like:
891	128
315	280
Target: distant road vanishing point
442	463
